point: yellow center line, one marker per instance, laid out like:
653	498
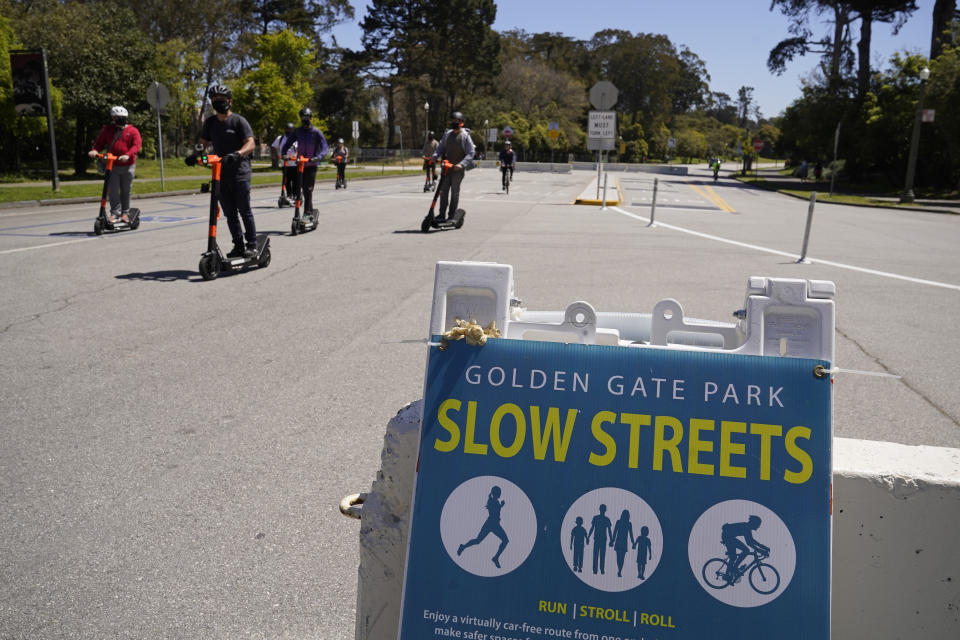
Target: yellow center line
711	195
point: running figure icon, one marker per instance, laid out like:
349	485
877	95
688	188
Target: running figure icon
492	525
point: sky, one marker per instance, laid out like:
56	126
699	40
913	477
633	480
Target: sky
733	38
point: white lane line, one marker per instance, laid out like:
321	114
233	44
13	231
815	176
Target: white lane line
794	256
44	246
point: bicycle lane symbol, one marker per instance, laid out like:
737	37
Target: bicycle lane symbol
764	549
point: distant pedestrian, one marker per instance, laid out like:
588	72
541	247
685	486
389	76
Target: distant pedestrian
818	171
803	171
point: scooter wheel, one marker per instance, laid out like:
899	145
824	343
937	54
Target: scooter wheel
425	225
135	224
264	259
280	203
98	227
209	267
294	228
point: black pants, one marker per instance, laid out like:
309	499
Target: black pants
341	170
235	203
290	181
309	178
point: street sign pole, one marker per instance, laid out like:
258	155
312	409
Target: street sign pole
158	96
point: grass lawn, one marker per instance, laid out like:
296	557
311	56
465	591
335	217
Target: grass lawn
262	174
877	192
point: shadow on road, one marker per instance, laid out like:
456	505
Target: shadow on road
72	233
171	275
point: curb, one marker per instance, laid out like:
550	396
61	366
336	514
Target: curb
599	203
849	204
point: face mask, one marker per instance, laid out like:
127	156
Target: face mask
305	123
120	121
454	125
221	106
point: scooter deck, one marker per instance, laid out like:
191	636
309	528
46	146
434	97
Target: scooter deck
101	225
430	222
263	243
306	222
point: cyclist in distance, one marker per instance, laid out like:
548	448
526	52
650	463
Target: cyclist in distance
731	535
508	159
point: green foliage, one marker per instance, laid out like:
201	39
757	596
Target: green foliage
691	144
277	87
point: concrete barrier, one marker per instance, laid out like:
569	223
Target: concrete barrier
670	169
539	167
896	564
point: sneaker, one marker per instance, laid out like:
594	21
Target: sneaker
237	251
111	219
249	253
124	217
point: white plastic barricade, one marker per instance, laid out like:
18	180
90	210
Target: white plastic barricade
618	475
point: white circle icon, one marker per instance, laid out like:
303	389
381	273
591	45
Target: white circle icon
488	526
611	539
754	540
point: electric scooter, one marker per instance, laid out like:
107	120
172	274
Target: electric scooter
431	180
212	262
455	221
102	223
307	221
341	168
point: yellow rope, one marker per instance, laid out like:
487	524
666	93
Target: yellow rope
473	333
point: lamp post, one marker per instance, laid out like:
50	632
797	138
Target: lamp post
426	121
915	139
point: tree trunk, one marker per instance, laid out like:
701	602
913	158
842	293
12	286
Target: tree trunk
391	115
943	14
863	54
839	23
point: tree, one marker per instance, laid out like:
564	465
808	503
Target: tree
744	101
104	67
871	11
834	48
460	49
942	34
274	91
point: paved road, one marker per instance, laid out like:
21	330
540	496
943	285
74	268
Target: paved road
174	450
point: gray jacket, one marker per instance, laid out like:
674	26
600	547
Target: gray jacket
457	149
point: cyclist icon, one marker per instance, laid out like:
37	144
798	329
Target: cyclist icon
738	522
719	573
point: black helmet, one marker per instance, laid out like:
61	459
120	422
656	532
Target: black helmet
220	90
306	113
456	115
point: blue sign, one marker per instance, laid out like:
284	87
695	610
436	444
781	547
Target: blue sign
592	492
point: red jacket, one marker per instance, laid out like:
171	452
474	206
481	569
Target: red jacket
127	144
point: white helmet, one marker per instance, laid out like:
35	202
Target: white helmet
118	111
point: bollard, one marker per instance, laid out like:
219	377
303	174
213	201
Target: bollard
603	203
653	204
806	231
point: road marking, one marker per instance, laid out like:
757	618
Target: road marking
794	256
710	195
44	246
